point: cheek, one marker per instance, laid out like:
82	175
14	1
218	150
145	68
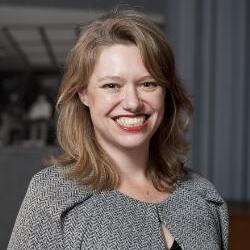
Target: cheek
158	102
100	104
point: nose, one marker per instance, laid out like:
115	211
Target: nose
131	101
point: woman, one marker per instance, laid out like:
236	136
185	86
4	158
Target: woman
121	182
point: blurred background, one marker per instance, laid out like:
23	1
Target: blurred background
211	42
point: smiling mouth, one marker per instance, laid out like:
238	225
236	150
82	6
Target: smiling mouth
133	124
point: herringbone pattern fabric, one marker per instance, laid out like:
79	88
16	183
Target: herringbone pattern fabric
57	213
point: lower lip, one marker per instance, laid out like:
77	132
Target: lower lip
132	129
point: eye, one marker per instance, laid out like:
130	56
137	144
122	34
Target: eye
110	86
150	85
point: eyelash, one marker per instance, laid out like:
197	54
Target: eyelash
115	85
110	85
152	84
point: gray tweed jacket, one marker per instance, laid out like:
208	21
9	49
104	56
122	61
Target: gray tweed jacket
57	213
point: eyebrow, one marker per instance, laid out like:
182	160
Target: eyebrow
115	78
118	78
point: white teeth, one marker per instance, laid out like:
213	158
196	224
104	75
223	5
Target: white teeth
131	121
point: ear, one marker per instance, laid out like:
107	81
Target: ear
83	95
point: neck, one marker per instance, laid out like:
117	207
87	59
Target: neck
131	162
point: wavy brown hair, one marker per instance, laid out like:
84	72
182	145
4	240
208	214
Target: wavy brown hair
75	132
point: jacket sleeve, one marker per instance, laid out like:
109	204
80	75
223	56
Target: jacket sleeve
34	227
216	204
224	225
220	210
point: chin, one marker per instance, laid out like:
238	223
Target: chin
130	143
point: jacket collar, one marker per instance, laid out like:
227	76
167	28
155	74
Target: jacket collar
65	193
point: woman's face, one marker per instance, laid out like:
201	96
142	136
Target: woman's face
126	104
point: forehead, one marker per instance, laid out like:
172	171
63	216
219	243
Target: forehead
119	59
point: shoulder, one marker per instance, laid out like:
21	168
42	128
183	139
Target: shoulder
50	174
202	195
196	183
49	195
54	190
